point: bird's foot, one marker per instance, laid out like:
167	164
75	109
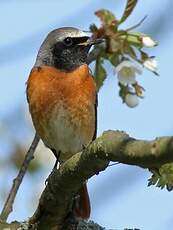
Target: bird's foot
56	163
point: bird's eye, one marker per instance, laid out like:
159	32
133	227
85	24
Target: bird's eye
68	41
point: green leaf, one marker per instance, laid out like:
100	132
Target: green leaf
128	9
162	177
99	73
93	28
132	39
130	51
113	58
106	17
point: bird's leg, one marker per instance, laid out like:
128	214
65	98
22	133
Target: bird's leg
83	147
57	155
56	162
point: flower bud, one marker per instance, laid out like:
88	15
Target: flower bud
148	41
151	64
131	100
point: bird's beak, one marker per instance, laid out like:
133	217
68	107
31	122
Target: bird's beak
92	41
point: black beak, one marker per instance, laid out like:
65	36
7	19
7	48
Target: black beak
92	41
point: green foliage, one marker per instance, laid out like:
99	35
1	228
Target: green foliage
100	73
162	177
130	5
107	17
123	49
112	58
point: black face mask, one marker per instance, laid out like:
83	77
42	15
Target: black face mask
70	53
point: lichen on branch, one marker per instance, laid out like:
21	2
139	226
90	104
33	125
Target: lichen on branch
63	183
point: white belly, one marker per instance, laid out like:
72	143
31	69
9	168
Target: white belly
66	133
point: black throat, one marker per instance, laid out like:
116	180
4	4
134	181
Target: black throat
68	58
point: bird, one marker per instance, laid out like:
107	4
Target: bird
62	98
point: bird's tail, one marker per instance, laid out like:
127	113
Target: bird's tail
82	206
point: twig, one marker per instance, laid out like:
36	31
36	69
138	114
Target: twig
63	184
138	24
8	206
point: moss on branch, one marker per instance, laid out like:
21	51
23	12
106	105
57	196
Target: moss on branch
57	198
82	225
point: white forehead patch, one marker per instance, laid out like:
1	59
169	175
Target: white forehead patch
62	33
59	35
52	38
78	33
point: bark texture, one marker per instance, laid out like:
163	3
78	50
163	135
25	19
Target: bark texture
56	200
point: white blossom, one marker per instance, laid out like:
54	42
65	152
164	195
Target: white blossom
131	100
151	64
148	41
126	72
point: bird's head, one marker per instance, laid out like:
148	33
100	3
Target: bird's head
65	48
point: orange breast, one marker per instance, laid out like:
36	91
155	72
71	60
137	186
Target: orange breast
62	106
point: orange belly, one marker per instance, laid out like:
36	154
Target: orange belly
62	106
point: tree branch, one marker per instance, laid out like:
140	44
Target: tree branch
83	225
56	200
8	206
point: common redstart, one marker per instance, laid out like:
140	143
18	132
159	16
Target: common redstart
61	93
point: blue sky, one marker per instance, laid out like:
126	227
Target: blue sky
120	196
